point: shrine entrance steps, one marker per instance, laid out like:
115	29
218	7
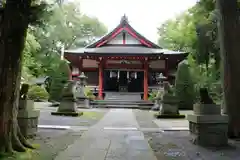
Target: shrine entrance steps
122	100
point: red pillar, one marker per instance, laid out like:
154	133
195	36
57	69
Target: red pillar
145	83
69	72
100	80
166	68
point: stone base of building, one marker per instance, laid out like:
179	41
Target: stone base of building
209	130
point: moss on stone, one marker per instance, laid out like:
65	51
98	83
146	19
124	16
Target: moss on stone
169	116
72	114
184	86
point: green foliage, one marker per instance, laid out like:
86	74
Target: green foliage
155	95
195	31
171	90
58	80
32	66
152	95
184	86
206	78
37	93
55	25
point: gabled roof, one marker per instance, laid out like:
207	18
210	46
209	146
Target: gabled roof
128	50
123	27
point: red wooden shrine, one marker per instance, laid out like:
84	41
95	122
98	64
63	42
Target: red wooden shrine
123	50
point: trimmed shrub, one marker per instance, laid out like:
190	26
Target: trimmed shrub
89	94
155	95
58	80
184	87
37	93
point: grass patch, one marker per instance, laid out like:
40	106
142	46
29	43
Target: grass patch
169	116
93	115
72	114
28	155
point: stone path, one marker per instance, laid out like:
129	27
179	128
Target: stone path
115	137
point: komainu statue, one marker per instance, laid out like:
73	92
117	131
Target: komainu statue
204	96
24	91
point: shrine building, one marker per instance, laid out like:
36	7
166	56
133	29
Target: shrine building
123	61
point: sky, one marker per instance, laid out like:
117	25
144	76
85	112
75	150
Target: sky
145	16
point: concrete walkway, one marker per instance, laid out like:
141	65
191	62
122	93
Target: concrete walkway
115	137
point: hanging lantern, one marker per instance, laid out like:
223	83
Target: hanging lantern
75	71
111	74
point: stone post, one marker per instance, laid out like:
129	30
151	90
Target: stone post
27	116
207	126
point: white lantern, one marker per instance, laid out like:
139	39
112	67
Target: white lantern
118	76
111	74
75	71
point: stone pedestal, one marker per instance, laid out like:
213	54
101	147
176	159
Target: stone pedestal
68	102
156	106
83	103
28	118
207	126
67	107
79	93
169	105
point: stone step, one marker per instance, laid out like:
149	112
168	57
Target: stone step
123	96
122	106
121	101
124	103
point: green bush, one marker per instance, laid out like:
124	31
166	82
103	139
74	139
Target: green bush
154	95
184	87
37	93
59	78
204	77
88	93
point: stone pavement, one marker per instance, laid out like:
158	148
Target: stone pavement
115	137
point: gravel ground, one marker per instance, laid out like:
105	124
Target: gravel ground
145	118
50	142
176	145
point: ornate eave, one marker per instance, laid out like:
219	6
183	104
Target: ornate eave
137	45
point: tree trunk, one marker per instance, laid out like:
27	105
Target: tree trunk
13	28
229	34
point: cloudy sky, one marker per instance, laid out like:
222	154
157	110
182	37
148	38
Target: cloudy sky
144	15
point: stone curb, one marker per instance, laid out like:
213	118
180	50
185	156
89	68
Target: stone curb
58	127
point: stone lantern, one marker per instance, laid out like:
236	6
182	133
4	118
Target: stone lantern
161	78
82	100
80	86
82	79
